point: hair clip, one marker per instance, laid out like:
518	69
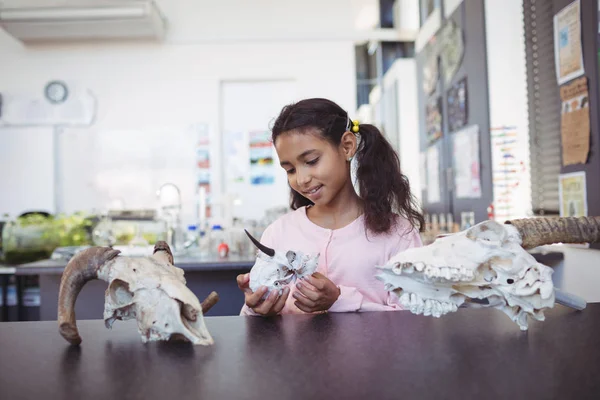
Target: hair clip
355	124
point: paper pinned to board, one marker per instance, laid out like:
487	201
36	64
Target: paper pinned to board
575	122
568	50
465	151
573	194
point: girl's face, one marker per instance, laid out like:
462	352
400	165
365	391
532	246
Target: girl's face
315	168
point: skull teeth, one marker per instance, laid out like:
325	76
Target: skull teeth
418	305
435	273
449	274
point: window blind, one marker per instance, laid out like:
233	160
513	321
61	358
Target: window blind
544	106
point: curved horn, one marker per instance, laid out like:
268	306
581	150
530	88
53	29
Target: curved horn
268	251
540	231
82	268
210	301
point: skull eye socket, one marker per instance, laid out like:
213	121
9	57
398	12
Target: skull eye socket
291	256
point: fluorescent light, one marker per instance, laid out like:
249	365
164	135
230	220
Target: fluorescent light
61	14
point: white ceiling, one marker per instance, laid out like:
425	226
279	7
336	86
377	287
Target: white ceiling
193	21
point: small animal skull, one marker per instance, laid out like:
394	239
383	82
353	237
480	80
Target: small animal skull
276	269
150	289
484	266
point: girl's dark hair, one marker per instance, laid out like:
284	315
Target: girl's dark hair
382	186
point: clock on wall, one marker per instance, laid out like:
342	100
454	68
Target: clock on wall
56	92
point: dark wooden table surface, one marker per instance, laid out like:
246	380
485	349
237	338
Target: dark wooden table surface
471	354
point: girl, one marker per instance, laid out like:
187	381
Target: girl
316	142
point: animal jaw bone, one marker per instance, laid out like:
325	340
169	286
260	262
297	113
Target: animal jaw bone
276	269
149	289
485	266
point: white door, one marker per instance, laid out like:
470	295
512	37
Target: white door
248	111
26	170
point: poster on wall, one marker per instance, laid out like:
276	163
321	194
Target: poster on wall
261	158
465	152
430	69
458	112
568	52
433	119
575	122
573	194
433	175
452	49
203	164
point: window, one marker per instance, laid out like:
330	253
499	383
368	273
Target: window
544	106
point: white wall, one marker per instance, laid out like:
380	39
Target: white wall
158	92
507	80
578	273
403	75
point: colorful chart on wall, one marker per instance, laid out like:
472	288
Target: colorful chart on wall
203	164
508	169
433	119
451	50
458	107
261	158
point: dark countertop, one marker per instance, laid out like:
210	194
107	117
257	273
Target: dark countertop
209	263
471	354
202	263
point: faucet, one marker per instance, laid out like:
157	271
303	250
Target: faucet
171	208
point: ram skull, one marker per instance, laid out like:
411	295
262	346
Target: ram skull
275	269
487	265
149	289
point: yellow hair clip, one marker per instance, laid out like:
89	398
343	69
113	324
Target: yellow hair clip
355	124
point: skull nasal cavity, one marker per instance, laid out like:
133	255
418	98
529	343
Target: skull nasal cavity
119	292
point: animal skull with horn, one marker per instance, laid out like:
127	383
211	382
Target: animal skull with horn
150	289
487	266
275	269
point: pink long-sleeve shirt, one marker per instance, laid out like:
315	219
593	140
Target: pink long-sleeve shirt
347	257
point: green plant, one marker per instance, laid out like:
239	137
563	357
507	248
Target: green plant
34	237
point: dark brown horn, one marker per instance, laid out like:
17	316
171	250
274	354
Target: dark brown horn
268	251
82	268
540	231
210	301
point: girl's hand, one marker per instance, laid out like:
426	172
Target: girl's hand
316	293
272	305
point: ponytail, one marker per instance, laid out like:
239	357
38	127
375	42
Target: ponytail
382	186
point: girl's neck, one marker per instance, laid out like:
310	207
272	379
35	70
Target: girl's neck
343	210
